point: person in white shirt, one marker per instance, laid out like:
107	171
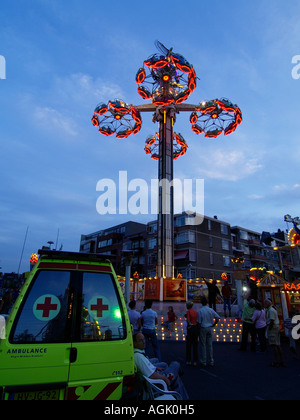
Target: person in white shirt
273	332
207	318
134	316
170	374
149	321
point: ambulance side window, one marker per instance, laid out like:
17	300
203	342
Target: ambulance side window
43	314
102	317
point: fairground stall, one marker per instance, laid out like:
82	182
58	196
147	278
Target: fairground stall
157	289
169	289
281	293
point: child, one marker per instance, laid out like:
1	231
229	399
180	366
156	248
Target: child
172	317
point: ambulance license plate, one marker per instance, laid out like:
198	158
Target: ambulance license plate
37	395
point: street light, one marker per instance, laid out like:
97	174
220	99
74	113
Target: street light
167	79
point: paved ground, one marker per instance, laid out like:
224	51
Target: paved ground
237	375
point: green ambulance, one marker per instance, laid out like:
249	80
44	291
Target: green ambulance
68	336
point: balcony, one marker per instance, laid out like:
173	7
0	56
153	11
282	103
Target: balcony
254	242
258	257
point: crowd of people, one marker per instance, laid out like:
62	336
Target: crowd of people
199	337
199	326
260	323
144	337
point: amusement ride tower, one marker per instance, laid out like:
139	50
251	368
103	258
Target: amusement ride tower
167	79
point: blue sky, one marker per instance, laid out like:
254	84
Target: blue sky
63	58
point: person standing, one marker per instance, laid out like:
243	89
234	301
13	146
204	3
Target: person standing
134	316
259	319
213	292
226	293
170	323
192	335
273	332
207	319
149	321
248	325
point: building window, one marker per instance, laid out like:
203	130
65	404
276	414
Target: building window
136	244
185	237
225	245
209	224
151	243
127	246
226	261
211	258
152	228
210	241
224	229
102	244
244	235
245	248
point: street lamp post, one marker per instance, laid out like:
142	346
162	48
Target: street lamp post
167	79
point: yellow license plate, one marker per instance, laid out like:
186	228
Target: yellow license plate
51	395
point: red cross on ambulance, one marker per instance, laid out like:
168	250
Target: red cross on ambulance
46	307
99	307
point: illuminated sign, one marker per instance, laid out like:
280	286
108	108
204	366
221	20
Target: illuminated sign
272	280
292	286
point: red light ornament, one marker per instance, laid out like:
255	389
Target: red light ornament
166	80
152	146
214	117
172	70
140	76
117	118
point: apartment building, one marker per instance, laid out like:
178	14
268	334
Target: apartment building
200	250
257	248
116	241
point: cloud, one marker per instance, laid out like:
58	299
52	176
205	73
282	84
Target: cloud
256	197
80	91
66	106
52	120
230	165
287	194
280	196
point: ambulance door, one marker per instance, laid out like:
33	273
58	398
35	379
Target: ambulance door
102	349
37	350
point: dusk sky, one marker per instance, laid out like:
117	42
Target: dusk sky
63	58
